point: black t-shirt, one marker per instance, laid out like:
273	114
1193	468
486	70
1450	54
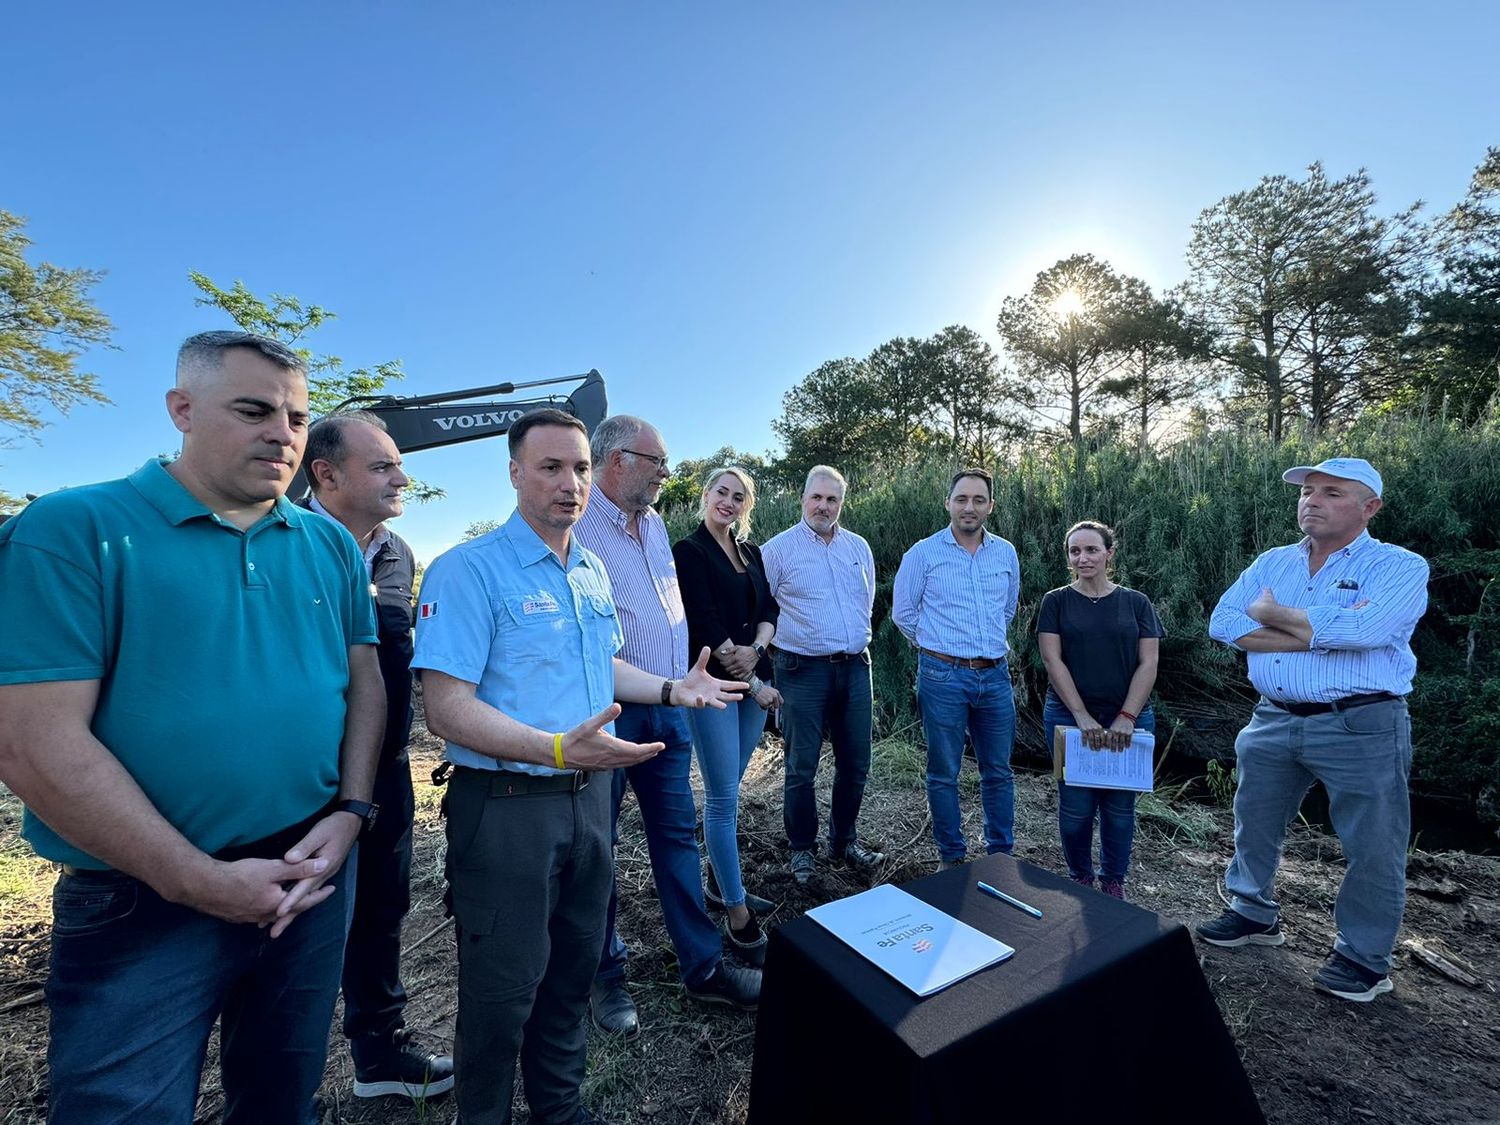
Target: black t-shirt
1100	641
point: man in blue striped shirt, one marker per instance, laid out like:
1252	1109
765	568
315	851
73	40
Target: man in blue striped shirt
822	576
955	596
624	530
1327	624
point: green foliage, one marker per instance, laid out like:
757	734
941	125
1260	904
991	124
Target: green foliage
1221	783
908	399
1302	285
47	322
1063	333
1190	517
1457	344
1163	352
681	490
480	527
287	319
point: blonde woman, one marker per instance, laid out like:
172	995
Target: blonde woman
731	612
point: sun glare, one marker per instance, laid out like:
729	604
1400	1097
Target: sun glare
1067	303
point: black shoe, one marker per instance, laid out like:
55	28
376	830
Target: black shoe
1349	980
1232	930
715	901
856	855
405	1071
730	984
613	1009
804	862
749	943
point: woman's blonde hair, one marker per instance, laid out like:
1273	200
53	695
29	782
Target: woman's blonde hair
742	525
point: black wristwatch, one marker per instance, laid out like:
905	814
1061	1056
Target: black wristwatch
760	650
366	812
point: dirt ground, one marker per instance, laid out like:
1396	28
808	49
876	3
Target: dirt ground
1427	1053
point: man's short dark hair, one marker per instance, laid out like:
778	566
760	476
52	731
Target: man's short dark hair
205	352
981	474
325	439
546	416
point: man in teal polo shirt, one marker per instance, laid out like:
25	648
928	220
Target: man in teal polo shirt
516	636
190	709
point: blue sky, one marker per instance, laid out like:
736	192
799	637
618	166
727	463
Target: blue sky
702	202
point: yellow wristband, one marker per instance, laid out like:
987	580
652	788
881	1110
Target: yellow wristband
557	750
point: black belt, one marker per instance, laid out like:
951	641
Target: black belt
1305	709
977	662
509	783
831	658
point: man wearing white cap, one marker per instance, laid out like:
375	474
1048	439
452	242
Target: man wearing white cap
1327	624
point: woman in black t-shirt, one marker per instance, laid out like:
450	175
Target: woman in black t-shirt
1099	642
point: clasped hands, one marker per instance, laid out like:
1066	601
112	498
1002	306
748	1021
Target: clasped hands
1096	736
273	892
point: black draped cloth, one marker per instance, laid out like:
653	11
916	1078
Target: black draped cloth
1103	1014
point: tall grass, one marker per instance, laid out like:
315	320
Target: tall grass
1190	516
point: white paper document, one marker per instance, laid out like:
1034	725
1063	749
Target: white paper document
1109	769
922	947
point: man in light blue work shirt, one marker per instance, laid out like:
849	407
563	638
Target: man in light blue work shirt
1327	624
956	593
516	636
822	576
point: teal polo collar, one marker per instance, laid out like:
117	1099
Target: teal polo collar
177	505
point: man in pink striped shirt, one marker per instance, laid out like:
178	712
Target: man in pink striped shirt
624	530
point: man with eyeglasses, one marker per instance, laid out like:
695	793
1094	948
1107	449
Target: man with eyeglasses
623	529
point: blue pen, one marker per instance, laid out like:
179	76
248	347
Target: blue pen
1017	903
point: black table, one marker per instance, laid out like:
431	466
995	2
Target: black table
1102	1015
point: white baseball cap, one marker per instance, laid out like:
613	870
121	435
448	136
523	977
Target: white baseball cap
1345	468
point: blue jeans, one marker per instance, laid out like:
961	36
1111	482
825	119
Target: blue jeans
1078	806
819	694
136	983
724	741
663	791
977	700
1363	758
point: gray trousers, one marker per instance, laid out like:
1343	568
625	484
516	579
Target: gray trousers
529	876
1363	758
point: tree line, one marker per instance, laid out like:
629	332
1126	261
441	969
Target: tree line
1304	306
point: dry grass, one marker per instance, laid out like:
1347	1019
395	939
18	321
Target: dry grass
691	1064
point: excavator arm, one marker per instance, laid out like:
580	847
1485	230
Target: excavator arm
417	422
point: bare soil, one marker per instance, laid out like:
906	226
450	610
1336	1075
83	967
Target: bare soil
1429	1053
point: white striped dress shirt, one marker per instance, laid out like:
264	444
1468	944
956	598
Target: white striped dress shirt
952	602
1353	651
826	591
644	578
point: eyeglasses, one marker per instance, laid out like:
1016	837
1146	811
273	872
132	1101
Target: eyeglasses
659	462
